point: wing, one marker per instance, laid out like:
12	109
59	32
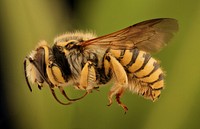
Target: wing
150	36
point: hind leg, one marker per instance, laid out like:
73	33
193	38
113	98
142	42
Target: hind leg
121	80
118	91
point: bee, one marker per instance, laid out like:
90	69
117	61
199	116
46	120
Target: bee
88	62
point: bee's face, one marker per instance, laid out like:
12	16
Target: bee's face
36	63
34	74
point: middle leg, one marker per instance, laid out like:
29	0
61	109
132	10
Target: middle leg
88	77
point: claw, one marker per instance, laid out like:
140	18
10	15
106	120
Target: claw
110	95
120	103
54	95
96	88
110	101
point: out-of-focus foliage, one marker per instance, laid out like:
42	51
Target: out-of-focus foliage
25	22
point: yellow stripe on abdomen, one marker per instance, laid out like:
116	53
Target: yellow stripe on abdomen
127	57
148	68
153	77
157	85
138	62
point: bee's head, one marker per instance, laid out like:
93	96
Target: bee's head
35	65
41	67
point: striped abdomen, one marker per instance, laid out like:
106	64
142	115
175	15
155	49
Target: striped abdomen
144	73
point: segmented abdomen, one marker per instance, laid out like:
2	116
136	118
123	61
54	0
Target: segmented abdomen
144	73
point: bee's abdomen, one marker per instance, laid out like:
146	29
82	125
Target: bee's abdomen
144	72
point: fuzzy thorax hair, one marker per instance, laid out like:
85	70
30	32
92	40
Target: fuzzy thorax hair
77	35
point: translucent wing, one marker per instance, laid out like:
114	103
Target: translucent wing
150	36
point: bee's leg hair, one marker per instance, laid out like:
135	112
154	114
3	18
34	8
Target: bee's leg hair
88	77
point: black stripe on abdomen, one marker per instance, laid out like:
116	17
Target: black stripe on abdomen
135	53
146	59
139	59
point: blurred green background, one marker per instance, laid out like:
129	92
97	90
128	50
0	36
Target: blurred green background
25	22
